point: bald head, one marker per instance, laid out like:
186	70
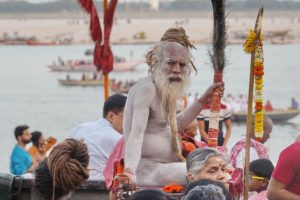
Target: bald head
268	126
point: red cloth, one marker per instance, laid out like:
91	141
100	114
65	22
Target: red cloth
287	170
237	184
189	144
268	107
103	56
95	28
240	145
114	159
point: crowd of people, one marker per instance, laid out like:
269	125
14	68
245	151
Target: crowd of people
143	142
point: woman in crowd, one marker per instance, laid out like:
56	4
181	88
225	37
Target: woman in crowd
40	146
206	163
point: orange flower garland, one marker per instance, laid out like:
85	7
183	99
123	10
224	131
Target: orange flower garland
249	46
173	188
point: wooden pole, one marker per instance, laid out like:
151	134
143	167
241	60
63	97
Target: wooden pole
257	31
106	77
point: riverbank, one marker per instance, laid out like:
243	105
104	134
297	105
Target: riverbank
278	28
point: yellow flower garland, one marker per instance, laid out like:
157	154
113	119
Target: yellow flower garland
249	46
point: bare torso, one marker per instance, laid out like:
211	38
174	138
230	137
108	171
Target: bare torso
148	151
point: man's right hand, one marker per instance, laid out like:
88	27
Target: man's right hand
206	97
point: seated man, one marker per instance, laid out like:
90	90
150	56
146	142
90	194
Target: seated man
188	140
151	128
20	159
102	135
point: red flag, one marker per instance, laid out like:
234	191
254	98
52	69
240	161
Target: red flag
95	28
103	56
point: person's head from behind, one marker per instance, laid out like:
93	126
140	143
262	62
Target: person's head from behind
206	190
22	134
191	130
37	138
65	169
268	126
170	64
113	110
149	194
260	174
206	163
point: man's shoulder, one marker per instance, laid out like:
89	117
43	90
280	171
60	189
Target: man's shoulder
145	86
86	128
291	150
18	151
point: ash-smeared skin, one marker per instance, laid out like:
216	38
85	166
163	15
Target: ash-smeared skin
148	152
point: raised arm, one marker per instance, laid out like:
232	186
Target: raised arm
186	117
141	101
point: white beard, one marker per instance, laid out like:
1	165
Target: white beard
170	91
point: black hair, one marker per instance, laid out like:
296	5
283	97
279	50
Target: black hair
115	104
35	136
205	182
19	130
149	194
262	167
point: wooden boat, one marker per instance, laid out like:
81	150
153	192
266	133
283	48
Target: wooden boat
88	66
121	87
278	115
75	82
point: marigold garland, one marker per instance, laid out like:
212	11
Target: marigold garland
173	188
249	46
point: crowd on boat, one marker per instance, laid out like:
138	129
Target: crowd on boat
144	144
239	103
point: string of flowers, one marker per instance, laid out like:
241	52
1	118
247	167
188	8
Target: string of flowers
249	46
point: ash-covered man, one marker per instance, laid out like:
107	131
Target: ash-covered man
151	128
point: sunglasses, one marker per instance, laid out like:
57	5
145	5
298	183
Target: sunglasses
253	177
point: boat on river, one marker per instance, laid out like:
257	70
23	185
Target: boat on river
277	115
88	65
75	82
121	86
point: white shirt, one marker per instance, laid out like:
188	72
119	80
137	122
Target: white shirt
100	138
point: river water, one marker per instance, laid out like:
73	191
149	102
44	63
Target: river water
30	93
